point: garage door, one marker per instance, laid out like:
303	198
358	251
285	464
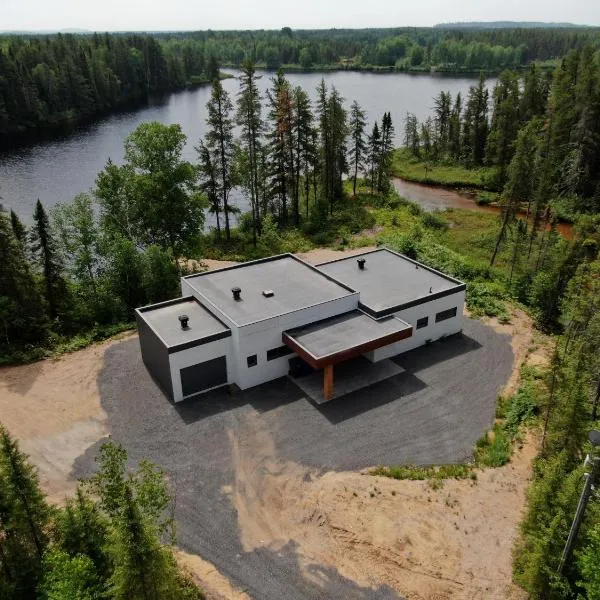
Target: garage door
203	376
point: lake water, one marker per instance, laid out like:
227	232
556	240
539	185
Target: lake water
55	171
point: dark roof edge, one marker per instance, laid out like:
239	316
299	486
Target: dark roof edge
199	342
403	256
379	314
141	310
270	259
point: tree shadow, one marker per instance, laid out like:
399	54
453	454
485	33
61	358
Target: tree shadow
20	378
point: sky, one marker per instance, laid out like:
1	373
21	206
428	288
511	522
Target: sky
162	15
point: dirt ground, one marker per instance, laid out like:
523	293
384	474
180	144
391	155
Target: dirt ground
431	544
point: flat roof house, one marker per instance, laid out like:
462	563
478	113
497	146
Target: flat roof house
260	320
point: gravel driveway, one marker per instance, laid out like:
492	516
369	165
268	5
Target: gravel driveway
431	413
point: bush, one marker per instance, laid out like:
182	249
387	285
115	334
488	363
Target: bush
433	220
521	408
493	450
486	298
413	472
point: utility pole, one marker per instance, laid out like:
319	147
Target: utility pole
590	478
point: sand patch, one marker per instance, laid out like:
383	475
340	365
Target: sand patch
53	408
454	542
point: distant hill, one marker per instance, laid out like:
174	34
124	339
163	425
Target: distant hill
45	31
507	25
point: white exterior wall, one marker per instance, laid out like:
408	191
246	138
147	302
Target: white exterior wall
199	354
259	337
433	331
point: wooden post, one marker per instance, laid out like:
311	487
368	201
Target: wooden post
328	382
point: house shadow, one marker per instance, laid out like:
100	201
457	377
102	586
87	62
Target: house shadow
436	352
369	398
262	398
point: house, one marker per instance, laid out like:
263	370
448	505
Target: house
257	321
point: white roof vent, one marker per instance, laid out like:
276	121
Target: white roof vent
268	293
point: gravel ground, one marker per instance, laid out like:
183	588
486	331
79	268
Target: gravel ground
431	413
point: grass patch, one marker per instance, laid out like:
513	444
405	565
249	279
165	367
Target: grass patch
493	449
427	472
406	166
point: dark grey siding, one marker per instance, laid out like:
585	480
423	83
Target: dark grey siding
204	376
155	356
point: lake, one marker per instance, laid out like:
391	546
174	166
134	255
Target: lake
55	171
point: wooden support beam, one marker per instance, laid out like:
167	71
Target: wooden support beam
328	382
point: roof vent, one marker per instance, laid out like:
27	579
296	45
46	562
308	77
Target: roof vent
268	293
183	319
237	293
361	263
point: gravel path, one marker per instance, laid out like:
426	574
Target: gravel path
431	413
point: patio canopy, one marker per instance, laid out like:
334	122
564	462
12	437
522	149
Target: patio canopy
339	338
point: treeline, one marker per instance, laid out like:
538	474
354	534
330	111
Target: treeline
540	138
110	542
47	83
290	159
78	273
84	268
399	48
569	411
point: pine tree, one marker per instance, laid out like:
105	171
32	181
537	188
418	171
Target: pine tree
306	148
249	118
19	230
475	123
505	123
374	149
411	135
358	146
219	140
454	129
46	253
442	114
21	316
519	185
387	149
24	519
209	182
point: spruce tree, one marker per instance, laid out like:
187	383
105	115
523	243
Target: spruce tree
387	149
209	182
46	254
219	140
24	519
358	147
304	135
19	230
475	123
374	146
249	118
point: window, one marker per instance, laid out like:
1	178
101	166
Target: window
203	376
445	314
278	352
252	361
422	322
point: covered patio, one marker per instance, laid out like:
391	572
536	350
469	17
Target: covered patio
340	339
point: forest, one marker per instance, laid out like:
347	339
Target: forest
49	84
112	539
314	174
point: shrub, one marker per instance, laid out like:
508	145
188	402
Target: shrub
412	472
493	450
433	220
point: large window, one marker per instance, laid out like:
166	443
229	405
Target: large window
278	352
445	314
422	322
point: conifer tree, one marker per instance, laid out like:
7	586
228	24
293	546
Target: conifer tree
374	146
358	146
46	253
475	123
442	111
19	230
24	519
304	135
387	148
219	140
209	182
454	129
249	118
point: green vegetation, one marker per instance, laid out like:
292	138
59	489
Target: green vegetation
51	83
409	167
110	542
430	472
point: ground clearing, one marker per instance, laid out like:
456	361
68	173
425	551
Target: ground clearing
271	489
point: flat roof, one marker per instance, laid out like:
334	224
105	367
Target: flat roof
390	281
203	327
294	283
342	337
